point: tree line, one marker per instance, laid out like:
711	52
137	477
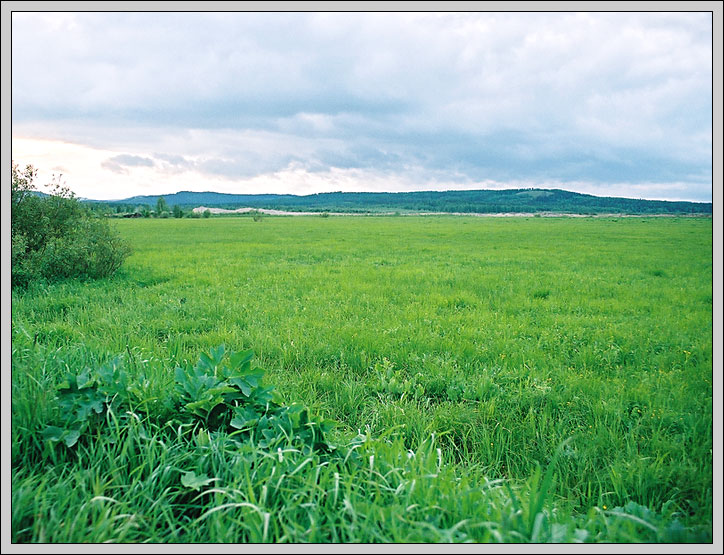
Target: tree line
477	201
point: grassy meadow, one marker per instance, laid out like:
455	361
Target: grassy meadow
491	379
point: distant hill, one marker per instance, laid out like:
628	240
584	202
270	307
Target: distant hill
477	201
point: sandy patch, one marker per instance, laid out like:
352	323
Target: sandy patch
271	212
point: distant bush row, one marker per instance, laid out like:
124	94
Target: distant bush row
55	236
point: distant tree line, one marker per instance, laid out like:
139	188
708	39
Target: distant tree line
477	201
135	210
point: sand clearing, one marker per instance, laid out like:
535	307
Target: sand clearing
202	209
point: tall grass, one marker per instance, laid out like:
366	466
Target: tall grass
563	367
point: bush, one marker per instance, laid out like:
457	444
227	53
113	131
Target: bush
55	237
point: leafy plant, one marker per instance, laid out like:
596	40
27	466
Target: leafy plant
225	392
83	398
395	381
190	480
221	391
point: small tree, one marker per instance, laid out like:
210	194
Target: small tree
207	213
177	212
161	206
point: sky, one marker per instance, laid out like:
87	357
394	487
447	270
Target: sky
122	104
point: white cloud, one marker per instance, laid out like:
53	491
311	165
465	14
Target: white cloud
243	94
93	177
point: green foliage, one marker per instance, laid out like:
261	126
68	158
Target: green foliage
220	392
225	392
55	237
177	211
190	480
265	488
161	206
617	357
207	213
83	398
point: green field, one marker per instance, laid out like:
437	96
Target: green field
492	379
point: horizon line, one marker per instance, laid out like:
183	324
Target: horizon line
394	193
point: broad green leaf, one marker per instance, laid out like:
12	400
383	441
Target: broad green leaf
242	384
71	437
276	397
222	388
217	354
180	374
327	425
204	406
240	359
84	380
205	362
255	377
244	418
190	480
53	433
262	395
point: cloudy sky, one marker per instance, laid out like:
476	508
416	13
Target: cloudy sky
122	104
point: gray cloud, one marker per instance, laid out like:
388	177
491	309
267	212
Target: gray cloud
120	163
603	97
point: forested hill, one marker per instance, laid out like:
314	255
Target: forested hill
480	201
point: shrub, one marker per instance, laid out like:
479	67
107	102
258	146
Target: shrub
55	237
207	213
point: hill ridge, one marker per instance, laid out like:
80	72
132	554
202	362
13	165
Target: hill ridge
458	201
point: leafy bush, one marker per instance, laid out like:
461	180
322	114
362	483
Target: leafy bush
55	237
85	397
225	392
222	392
